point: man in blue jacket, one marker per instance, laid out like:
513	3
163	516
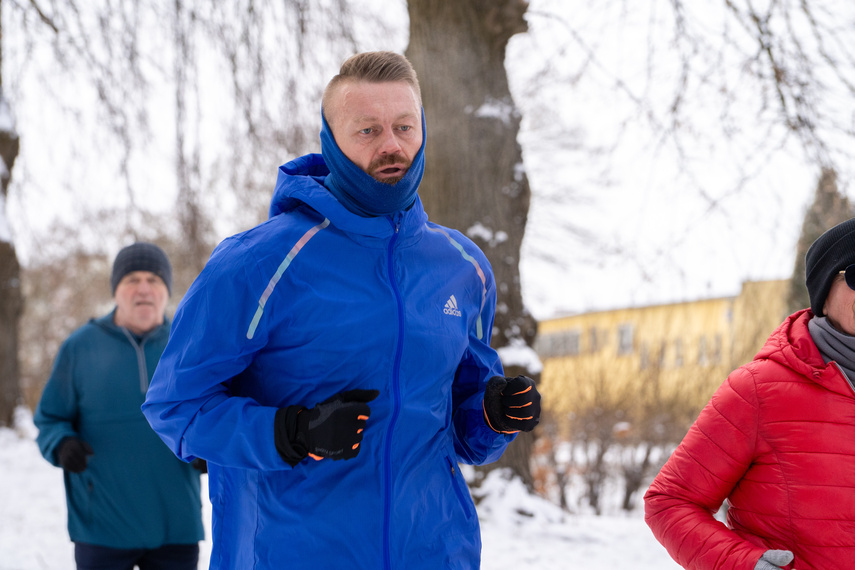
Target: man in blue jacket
130	500
333	364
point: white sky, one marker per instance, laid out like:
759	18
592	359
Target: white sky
654	234
618	227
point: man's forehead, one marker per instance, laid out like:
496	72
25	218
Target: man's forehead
350	90
373	117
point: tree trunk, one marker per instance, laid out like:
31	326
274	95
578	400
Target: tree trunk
11	305
474	177
829	208
11	299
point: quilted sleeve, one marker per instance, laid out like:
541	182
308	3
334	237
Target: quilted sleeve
700	474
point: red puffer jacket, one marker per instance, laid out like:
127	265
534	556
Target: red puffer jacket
777	441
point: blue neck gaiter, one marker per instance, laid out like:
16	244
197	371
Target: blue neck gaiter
358	191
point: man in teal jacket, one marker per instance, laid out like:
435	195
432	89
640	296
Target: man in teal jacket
333	364
130	500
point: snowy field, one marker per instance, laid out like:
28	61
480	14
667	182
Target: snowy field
519	531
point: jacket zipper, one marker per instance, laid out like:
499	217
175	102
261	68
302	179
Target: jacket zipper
141	366
848	381
458	490
396	403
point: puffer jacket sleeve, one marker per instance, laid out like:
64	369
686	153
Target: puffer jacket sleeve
189	402
474	441
57	410
700	474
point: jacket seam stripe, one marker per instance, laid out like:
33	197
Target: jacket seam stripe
479	327
271	285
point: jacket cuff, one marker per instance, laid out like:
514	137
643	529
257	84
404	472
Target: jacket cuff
290	446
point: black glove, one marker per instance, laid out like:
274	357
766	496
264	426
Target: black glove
73	453
331	429
511	404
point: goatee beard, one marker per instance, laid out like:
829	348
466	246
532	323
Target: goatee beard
391	181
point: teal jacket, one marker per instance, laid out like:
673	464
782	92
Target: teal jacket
134	492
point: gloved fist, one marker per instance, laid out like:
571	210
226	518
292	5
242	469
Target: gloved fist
199	465
774	560
73	454
331	429
511	405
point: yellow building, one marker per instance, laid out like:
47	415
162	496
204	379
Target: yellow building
651	368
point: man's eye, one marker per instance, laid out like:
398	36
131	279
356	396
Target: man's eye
406	128
366	131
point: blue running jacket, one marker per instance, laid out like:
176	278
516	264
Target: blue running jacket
314	301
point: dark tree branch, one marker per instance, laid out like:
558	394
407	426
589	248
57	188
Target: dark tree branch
44	17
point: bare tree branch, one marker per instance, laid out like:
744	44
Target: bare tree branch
43	17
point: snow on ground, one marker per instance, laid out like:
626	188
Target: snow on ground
518	530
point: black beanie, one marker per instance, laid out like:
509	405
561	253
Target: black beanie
141	257
831	253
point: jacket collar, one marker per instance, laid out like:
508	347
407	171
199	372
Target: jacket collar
792	346
108	324
301	182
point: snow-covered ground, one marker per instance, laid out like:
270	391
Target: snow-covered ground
518	530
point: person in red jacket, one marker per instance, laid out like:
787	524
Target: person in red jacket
776	441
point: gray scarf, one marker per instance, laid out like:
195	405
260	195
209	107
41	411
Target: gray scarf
834	345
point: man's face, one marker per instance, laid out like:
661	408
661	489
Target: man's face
141	298
378	126
840	306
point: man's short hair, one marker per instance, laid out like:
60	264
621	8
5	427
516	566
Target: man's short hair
375	67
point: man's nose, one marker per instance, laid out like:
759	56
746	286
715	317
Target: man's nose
389	143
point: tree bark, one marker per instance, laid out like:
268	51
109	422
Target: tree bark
474	177
11	305
11	299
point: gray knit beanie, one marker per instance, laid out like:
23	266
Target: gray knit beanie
141	256
831	253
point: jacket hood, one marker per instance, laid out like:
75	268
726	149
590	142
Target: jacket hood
301	181
791	345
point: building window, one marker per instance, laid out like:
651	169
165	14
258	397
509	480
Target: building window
593	340
570	344
678	353
644	353
541	345
703	358
625	339
563	343
716	351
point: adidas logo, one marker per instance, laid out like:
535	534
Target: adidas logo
451	307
